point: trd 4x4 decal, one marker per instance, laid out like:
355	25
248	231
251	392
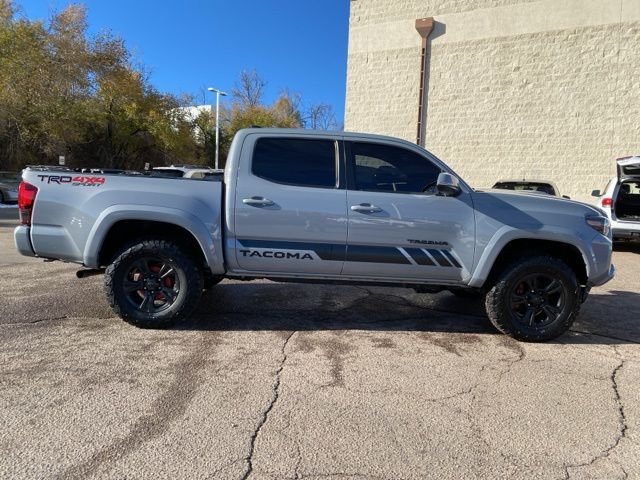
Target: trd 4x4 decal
78	181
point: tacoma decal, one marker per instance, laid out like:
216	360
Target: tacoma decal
276	254
428	242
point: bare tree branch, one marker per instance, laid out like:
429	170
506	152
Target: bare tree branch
249	88
320	116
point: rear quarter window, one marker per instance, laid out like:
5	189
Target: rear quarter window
292	161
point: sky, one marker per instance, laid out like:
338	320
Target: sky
190	45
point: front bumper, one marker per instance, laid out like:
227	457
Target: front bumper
626	234
600	268
601	280
22	241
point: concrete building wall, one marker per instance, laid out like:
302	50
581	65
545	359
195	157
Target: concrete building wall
516	88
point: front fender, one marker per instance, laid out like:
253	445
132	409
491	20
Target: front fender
507	233
208	236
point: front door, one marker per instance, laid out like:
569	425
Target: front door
398	226
290	206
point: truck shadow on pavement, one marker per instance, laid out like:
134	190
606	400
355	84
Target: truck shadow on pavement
607	318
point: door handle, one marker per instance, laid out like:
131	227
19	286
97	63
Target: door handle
257	202
365	208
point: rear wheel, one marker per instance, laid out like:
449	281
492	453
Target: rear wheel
153	284
534	299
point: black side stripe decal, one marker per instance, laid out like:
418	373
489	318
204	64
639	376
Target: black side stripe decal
451	258
364	253
419	256
360	253
439	257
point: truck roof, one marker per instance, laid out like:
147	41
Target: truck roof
323	133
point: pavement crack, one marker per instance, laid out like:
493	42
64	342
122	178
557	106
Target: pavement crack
622	424
33	322
275	394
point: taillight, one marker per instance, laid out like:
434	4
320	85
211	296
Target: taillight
26	198
606	202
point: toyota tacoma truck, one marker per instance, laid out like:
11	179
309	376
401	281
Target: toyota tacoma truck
328	207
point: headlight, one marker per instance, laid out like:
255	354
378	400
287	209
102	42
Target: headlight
599	224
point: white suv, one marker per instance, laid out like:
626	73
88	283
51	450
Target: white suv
620	199
187	171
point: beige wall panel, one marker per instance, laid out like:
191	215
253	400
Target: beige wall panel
559	104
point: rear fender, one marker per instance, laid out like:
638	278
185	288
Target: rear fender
208	236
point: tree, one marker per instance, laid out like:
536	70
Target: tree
320	116
63	92
249	89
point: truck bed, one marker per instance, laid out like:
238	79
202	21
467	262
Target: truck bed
75	209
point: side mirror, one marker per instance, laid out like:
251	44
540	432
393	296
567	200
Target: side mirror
448	185
596	193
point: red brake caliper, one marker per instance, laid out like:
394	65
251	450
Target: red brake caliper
520	290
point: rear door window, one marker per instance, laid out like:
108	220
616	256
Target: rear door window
292	161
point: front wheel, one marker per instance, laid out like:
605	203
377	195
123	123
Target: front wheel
534	299
153	284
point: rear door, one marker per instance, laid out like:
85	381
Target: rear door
398	226
290	206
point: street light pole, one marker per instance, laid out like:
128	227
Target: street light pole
218	94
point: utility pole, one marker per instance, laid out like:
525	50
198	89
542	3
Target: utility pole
218	94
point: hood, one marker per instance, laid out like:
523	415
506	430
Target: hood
532	210
545	199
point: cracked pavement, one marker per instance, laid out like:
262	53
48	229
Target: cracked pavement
288	381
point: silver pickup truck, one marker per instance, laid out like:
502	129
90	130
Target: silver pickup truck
322	207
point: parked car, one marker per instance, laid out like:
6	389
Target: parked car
187	171
620	199
319	207
540	186
9	182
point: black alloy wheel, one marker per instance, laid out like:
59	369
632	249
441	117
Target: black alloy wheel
534	299
537	300
153	283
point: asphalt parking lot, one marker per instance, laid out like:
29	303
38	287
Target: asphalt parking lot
288	381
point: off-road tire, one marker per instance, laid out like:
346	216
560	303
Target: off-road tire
187	273
498	299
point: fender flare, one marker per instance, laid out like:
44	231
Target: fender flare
209	241
507	234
